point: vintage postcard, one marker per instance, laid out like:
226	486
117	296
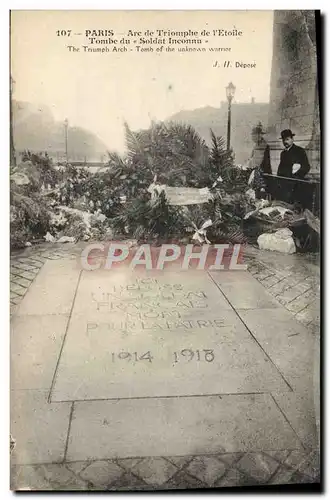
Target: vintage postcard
165	235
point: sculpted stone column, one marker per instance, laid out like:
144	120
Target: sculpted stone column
293	93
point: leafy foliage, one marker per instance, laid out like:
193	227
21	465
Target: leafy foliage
146	219
29	218
43	167
174	153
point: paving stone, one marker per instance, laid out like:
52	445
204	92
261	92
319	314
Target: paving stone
36	256
270	281
127	482
316	322
296	458
280	300
314	328
230	458
14	298
76	484
299	410
29	275
284	475
128	463
24	477
101	473
180	462
60	478
207	469
304	321
15	271
288	344
264	275
50	293
182	481
34	349
17	267
301	302
63	267
245	294
234	478
307	463
45	254
154	471
57	473
297	477
281	286
27	260
253	269
294	292
35	263
13	308
280	456
21	281
190	426
307	315
257	465
25	267
77	467
311	467
18	289
39	428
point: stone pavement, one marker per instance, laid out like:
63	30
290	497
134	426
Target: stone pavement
294	280
223	378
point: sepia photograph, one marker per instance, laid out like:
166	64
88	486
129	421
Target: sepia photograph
165	208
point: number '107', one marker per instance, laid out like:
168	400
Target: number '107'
63	32
199	355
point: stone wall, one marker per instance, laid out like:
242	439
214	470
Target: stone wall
294	93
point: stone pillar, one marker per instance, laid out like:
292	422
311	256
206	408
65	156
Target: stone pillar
293	92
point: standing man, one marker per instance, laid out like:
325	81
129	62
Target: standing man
295	165
294	162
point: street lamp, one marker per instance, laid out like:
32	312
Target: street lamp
230	92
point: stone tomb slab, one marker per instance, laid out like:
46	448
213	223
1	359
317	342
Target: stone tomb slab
178	427
134	335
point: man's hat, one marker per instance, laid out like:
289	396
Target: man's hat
286	133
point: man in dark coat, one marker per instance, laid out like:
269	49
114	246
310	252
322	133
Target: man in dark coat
294	162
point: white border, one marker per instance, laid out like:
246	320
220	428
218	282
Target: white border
4	171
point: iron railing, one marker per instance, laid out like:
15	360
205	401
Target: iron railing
306	192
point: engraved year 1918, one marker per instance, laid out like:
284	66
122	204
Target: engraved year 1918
199	355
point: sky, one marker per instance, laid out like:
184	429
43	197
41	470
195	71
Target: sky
99	91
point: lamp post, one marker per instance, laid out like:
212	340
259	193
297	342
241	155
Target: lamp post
230	92
66	124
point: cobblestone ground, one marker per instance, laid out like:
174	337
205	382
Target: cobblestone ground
294	281
202	471
25	265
